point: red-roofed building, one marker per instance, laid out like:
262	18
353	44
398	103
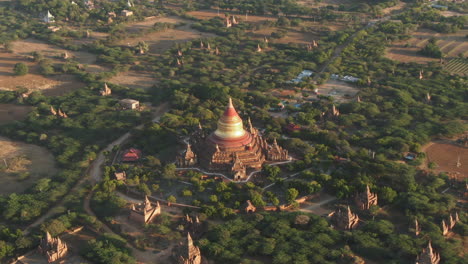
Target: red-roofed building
292	127
131	154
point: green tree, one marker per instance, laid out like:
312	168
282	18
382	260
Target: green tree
171	199
291	195
21	69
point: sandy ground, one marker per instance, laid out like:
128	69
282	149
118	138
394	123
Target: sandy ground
93	36
339	90
445	155
36	258
450	44
26	46
159	42
450	13
11	112
50	85
291	36
133	79
208	14
318	205
38	162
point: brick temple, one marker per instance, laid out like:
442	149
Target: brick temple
187	252
52	248
231	149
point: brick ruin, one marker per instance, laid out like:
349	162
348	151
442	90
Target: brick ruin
452	221
249	207
366	199
343	218
144	212
187	252
428	256
193	225
52	248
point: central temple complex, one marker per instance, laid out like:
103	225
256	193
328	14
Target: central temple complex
230	149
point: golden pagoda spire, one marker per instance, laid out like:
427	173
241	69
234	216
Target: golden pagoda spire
230	124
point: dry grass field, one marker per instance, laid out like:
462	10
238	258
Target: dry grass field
11	112
159	42
445	155
23	158
210	13
26	46
407	50
51	85
134	80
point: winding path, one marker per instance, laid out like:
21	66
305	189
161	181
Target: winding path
94	171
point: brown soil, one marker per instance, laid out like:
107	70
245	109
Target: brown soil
26	46
208	14
407	50
445	154
33	159
291	36
339	90
51	85
159	42
450	13
132	79
11	112
314	3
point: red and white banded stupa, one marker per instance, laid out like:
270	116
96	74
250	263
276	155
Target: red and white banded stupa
231	148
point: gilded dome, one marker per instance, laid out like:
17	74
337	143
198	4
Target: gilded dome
230	124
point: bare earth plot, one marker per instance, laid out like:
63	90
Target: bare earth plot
134	80
93	36
158	43
407	50
339	90
291	36
447	13
161	41
23	158
11	112
445	155
314	3
37	258
208	14
51	85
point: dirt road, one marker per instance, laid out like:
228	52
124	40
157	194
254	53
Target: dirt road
94	171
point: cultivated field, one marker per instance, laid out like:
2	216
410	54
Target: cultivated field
445	155
23	159
407	50
11	112
457	66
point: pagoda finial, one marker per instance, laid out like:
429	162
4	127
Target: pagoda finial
189	240
230	105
